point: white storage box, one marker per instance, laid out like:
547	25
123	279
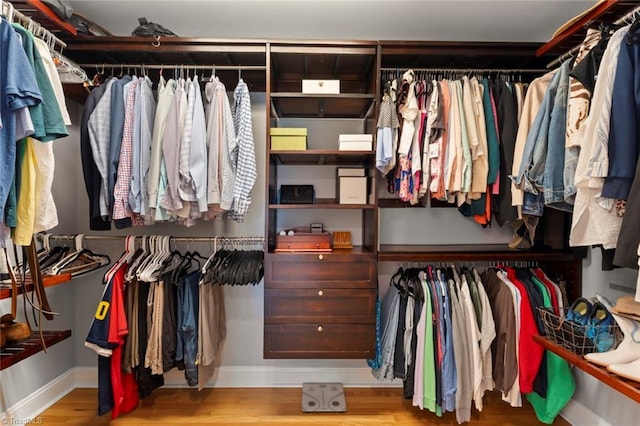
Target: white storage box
352	190
321	87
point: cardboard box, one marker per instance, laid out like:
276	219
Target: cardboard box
359	137
355	146
288	131
288	143
321	87
351	171
352	190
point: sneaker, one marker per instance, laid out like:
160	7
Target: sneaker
580	312
600	328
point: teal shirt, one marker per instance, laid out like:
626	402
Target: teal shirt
46	117
492	136
561	384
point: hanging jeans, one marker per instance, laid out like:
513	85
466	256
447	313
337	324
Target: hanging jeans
187	335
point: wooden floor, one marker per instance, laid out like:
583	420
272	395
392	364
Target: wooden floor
275	406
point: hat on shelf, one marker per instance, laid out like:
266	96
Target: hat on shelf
575	19
627	306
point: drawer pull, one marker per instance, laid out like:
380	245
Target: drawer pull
320	256
320	293
320	328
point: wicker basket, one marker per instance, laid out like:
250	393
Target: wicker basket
575	337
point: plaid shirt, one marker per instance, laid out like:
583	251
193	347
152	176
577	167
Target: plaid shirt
121	207
99	134
246	164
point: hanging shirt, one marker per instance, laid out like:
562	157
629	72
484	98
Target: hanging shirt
171	147
185	188
116	126
99	137
480	170
387	136
46	116
18	89
122	213
438	163
215	136
54	78
166	91
246	160
46	212
594	219
139	197
198	153
92	178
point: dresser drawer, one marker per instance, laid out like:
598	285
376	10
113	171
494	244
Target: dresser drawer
317	305
326	270
319	340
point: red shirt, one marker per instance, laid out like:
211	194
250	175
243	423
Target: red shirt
530	353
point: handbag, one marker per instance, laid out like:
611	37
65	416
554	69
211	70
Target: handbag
150	29
297	194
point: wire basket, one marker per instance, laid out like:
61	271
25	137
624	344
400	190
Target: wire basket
578	338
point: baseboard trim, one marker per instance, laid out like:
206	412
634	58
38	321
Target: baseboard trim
578	414
27	410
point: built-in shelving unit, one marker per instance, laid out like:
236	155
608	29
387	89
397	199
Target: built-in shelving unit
47	280
17	352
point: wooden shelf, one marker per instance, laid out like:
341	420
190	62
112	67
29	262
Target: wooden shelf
608	11
628	388
321	157
15	353
358	250
323	203
42	14
48	281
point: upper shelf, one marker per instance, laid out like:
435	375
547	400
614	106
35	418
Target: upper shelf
608	11
43	15
443	54
353	64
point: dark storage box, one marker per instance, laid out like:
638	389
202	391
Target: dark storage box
304	241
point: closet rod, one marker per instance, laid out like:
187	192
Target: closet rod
10	13
500	70
625	20
179	66
178	239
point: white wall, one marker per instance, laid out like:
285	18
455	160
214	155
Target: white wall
22	379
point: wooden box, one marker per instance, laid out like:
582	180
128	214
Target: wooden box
304	241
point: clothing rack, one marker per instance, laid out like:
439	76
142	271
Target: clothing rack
13	15
247	240
473	70
625	20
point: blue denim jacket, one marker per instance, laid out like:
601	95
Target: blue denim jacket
543	157
553	184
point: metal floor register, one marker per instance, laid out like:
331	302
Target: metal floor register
323	397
